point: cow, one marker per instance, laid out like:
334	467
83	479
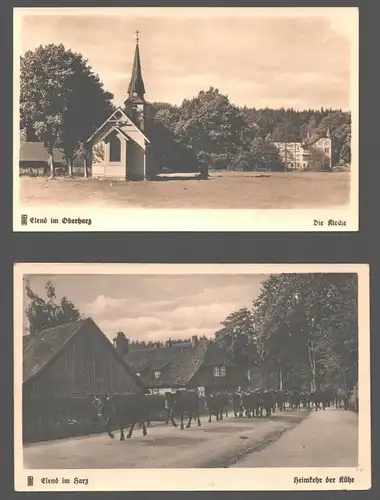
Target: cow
280	398
181	403
295	400
122	410
305	400
213	403
320	398
342	398
250	403
266	402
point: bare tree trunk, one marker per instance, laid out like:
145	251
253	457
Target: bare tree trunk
70	164
51	162
85	171
280	378
313	385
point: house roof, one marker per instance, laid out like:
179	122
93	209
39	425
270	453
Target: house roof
113	118
42	348
177	363
36	151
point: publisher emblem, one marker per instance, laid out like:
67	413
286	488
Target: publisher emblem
30	480
24	219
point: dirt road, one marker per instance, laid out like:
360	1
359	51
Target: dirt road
328	438
215	444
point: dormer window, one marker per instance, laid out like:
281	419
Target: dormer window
138	374
216	371
157	374
223	371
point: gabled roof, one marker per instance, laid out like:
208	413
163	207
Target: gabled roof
42	348
117	129
112	118
36	151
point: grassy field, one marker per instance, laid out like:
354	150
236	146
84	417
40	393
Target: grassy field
229	190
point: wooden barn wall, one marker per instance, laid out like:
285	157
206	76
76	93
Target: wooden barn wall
85	366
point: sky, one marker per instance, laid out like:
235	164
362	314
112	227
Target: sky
155	307
293	57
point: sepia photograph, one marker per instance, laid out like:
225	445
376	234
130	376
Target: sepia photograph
186	119
255	376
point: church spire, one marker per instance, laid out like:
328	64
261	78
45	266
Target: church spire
136	85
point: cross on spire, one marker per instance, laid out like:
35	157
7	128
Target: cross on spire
137	36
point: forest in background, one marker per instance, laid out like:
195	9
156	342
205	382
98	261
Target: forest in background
62	102
301	331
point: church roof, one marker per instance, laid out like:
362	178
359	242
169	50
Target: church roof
115	118
136	84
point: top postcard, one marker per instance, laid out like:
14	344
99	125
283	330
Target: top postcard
185	119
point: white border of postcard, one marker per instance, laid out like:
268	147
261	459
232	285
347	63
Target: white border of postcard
93	218
199	479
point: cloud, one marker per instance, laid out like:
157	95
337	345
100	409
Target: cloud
246	56
188	311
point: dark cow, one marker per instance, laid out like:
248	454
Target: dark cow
280	398
182	403
320	398
341	399
213	404
295	400
266	402
250	403
123	410
305	400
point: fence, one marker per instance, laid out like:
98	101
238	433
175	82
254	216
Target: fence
54	418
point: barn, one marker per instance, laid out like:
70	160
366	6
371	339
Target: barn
34	156
62	368
198	364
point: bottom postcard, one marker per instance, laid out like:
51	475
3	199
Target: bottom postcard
205	377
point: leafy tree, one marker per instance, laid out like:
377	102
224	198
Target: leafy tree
307	324
238	339
60	98
43	313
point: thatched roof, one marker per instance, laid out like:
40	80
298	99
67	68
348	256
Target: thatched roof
41	349
177	363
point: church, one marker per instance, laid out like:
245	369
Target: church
119	147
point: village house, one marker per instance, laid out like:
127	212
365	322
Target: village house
199	364
119	147
62	368
297	155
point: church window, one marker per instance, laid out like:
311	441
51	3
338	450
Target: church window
115	148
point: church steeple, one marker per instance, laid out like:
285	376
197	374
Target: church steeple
135	102
136	85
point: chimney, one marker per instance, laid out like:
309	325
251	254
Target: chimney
121	344
194	340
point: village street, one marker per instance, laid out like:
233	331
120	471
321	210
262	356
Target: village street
293	438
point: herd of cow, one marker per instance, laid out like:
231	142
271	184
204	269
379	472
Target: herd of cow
119	411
